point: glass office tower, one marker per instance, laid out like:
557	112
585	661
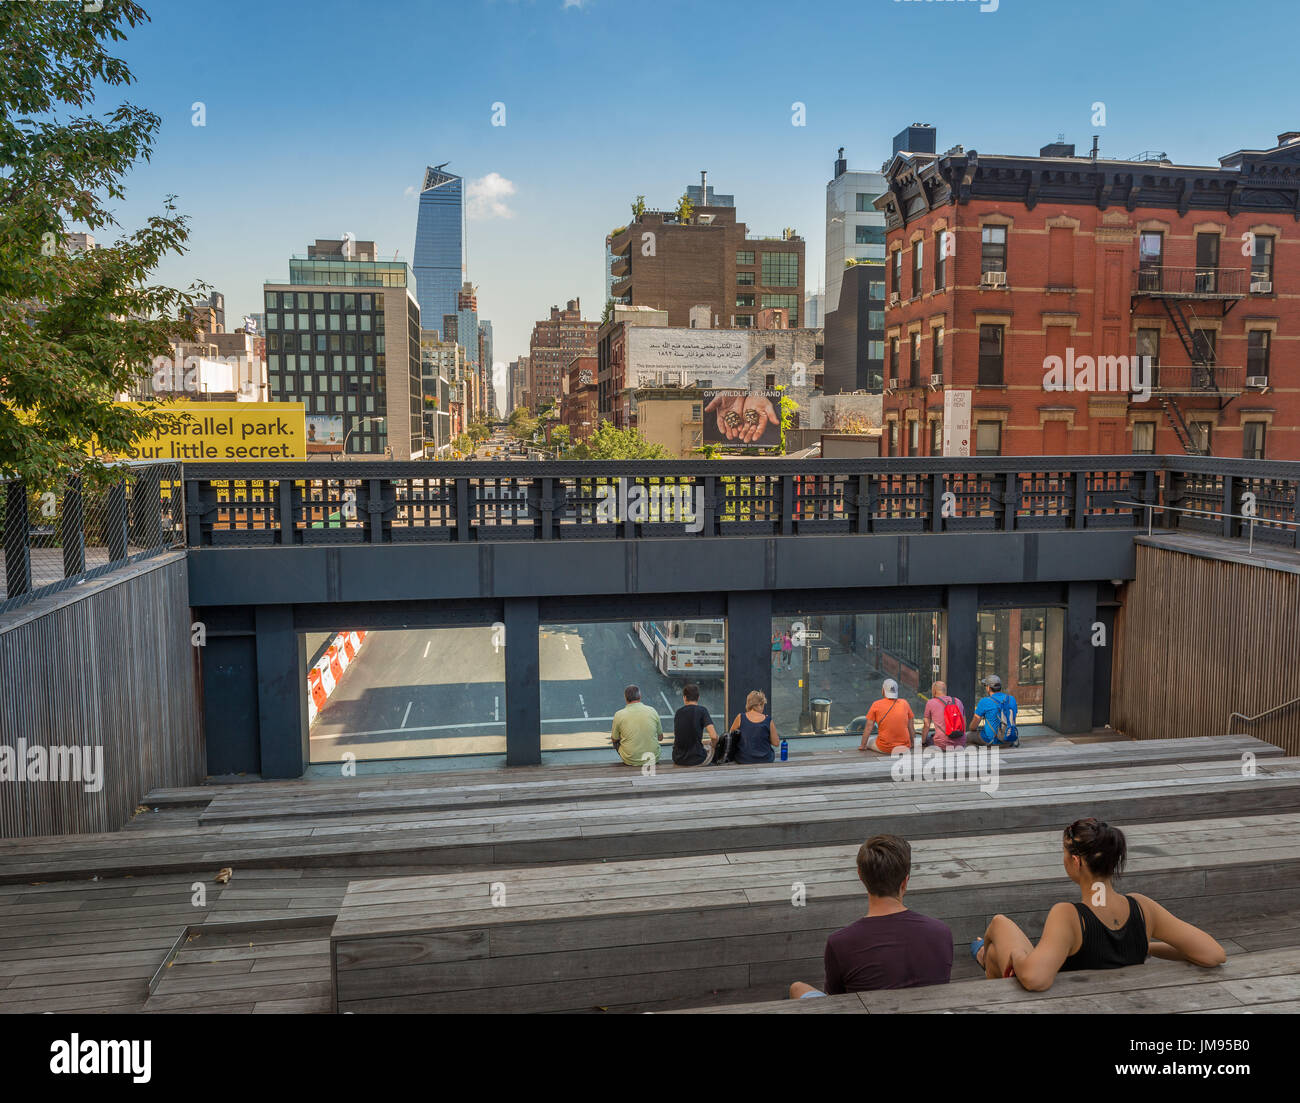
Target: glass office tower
439	244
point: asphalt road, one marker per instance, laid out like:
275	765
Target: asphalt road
441	691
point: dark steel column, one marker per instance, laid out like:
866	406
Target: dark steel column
749	655
523	683
960	644
281	687
1071	664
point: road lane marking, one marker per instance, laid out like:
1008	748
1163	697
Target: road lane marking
407	715
426	649
583	703
632	639
496	708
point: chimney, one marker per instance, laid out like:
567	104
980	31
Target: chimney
704	187
841	165
1096	146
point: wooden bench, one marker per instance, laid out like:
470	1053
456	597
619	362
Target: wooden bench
678	823
367	796
1266	981
632	935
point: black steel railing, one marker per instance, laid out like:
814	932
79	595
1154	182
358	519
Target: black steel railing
1208	283
57	536
382	503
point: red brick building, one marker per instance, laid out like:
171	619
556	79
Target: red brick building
1023	280
579	409
555	342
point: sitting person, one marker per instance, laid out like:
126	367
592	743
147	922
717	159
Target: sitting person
891	946
893	719
1107	930
636	730
994	721
940	725
690	723
753	733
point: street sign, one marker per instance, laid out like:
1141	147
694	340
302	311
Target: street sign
815	635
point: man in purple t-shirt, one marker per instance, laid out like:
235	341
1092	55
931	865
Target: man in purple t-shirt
891	946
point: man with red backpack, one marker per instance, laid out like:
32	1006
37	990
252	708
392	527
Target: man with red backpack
944	722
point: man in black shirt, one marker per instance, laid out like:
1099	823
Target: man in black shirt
689	725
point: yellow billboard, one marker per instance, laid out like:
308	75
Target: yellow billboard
225	432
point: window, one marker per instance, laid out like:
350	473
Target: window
876	289
893	438
936	351
875	350
1144	438
1257	342
273	320
916	359
1252	440
1202	436
866	201
745	279
819	381
914	438
1151	257
1207	262
318	301
868	235
940	260
818	350
745	257
992	349
993	249
1148	345
896	273
302	300
1203	345
988	438
781	269
745	321
1033	646
918	261
769	381
788	303
936	437
769	353
891	369
744	300
875	320
1261	259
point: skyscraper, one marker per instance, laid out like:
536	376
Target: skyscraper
439	256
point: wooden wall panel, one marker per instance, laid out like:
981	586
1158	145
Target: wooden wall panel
107	664
1198	639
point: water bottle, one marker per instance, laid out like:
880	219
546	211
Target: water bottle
785	751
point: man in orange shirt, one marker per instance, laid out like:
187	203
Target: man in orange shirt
893	720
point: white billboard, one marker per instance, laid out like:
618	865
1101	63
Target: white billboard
956	423
682	357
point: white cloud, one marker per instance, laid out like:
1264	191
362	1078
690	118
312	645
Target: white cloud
573	4
411	192
487	197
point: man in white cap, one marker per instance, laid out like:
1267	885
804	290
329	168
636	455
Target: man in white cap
893	720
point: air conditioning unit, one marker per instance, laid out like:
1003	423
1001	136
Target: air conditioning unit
1260	381
936	381
893	299
993	279
1261	287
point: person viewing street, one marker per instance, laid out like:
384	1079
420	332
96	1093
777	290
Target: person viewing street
690	723
787	649
891	946
636	730
994	721
892	717
944	721
1105	930
754	732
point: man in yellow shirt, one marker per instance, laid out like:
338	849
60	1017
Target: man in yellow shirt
636	731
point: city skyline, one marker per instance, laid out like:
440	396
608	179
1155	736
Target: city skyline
538	208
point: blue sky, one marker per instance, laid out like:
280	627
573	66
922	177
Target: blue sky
321	116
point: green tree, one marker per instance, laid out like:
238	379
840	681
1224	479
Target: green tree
685	209
76	329
638	208
463	444
609	443
561	437
609	312
789	407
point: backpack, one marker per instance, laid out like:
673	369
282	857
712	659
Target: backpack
1008	734
953	722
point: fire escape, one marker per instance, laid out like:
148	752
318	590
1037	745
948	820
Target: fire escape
1179	291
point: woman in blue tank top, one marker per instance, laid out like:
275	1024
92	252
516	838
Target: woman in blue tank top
1103	930
756	732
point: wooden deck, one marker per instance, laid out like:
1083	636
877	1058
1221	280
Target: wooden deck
613	881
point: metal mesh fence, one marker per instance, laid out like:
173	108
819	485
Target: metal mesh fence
57	536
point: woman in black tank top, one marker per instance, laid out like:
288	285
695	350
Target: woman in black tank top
1105	930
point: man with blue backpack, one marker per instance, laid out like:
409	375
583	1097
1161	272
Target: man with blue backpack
994	722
